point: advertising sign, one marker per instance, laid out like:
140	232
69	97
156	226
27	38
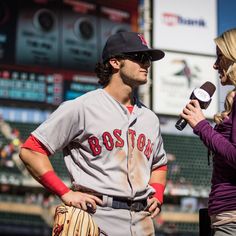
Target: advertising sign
177	75
185	25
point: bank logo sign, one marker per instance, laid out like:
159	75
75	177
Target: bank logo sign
185	25
172	19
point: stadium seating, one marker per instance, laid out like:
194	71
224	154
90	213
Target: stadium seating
190	165
18	224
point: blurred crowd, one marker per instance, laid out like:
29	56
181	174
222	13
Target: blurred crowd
10	143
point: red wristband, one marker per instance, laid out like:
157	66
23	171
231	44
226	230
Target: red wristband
53	183
159	194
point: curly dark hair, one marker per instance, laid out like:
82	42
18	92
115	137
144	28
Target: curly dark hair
104	72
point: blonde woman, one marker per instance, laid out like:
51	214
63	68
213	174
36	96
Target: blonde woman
220	140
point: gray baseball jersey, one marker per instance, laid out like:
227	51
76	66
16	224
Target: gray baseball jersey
106	149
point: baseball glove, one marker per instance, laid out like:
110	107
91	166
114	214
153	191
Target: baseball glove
71	221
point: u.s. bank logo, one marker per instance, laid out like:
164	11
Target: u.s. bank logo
172	19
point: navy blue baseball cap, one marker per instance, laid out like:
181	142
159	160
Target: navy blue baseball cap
129	42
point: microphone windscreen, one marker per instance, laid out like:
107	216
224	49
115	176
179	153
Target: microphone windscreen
209	88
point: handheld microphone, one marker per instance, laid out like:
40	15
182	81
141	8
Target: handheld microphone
203	95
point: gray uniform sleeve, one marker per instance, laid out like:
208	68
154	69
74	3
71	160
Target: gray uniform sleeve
61	126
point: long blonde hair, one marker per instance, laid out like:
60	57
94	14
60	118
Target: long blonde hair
227	44
219	117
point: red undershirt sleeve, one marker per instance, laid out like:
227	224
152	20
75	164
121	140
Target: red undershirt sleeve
34	144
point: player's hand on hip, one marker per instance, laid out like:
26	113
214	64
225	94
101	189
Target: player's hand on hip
153	206
192	113
84	201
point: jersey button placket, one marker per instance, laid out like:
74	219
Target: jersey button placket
130	164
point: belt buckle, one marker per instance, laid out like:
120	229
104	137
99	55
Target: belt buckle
135	206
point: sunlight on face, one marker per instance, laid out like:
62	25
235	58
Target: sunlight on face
222	65
133	73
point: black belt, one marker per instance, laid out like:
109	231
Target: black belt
125	203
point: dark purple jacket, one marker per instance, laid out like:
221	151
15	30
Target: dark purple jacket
222	142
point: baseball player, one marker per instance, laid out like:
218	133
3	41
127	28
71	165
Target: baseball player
111	144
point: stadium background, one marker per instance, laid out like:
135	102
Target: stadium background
48	49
